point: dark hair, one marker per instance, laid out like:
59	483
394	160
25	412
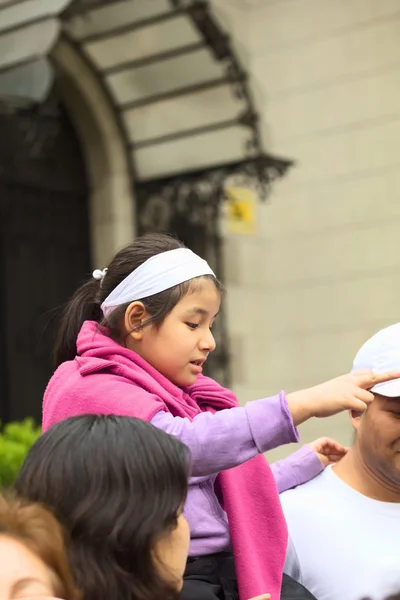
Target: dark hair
117	485
85	303
38	530
395	597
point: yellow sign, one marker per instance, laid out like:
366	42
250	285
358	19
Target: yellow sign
241	210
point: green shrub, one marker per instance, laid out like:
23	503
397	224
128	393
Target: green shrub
15	441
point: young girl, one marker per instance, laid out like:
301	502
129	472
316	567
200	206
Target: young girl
128	539
132	342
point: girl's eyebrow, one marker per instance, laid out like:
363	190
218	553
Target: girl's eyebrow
197	310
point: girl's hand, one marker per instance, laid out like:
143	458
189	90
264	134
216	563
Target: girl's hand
263	597
328	451
348	392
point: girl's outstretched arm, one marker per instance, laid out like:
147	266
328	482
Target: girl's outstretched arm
228	438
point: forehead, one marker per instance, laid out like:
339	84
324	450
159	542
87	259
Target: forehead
204	295
386	401
18	560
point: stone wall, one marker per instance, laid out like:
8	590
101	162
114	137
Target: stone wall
323	272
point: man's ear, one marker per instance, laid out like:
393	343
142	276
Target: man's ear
355	418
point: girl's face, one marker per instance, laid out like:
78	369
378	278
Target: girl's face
181	344
171	553
22	574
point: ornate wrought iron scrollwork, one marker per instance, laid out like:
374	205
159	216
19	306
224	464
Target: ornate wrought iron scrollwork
30	146
30	130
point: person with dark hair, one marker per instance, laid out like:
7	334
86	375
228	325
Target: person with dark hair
133	341
128	538
33	558
352	510
118	485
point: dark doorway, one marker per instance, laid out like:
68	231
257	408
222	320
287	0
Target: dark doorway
44	247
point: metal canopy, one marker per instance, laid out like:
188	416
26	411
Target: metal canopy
182	95
28	31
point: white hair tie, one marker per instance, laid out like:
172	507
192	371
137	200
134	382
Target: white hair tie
157	274
99	274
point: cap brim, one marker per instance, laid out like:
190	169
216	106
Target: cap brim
391	389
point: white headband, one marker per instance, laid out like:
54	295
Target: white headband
159	273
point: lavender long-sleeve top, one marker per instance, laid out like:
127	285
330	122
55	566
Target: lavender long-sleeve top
255	428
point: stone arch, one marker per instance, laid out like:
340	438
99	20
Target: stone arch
110	177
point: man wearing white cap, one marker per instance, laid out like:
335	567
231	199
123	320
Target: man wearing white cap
344	525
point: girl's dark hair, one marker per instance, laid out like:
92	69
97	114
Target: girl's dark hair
117	485
85	303
38	530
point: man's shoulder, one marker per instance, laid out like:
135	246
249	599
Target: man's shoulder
308	494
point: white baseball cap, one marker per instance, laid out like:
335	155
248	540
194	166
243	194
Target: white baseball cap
382	353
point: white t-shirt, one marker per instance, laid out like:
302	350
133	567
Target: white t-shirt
343	545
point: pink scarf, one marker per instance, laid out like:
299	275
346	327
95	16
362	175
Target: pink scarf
251	501
249	493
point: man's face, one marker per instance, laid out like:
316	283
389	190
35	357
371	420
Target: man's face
378	438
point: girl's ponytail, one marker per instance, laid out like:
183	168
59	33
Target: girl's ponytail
83	306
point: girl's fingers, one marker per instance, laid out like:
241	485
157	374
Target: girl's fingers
366	378
364	395
333	446
357	405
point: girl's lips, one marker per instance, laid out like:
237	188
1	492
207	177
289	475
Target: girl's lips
199	361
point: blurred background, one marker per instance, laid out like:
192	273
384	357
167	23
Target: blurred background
263	133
